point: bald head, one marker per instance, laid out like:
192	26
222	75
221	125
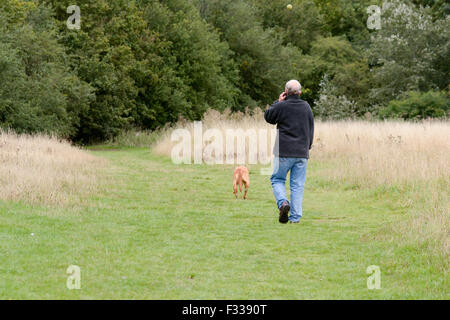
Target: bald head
293	87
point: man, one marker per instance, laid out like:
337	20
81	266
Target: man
295	123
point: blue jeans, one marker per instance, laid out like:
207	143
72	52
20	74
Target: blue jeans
297	166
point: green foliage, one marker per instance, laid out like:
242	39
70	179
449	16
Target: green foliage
299	26
204	74
331	104
410	52
145	63
441	8
38	92
346	17
148	62
419	105
264	63
346	68
107	53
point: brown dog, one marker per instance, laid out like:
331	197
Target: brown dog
240	177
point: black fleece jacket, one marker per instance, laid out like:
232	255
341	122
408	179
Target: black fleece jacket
295	124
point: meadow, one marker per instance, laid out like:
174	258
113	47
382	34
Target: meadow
141	227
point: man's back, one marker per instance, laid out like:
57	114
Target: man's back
295	124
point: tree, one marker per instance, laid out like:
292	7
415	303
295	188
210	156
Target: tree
331	104
345	67
38	92
299	26
346	18
409	53
202	64
264	62
440	8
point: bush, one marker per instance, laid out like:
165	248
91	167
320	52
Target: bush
419	105
331	104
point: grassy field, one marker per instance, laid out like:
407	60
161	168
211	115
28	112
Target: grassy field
156	230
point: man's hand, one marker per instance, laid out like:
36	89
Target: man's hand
282	97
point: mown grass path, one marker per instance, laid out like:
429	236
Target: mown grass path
163	231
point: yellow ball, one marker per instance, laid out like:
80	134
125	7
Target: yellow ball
289	6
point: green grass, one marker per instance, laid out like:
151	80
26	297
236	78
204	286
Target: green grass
161	231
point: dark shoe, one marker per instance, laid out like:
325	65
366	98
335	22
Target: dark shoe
294	222
284	212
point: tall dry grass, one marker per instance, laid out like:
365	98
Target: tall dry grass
133	138
362	152
412	158
44	170
384	153
213	119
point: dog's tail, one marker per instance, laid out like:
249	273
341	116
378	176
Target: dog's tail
240	184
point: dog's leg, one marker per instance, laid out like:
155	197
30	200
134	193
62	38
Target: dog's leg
247	185
235	187
246	180
240	184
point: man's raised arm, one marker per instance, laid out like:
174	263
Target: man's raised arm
271	114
